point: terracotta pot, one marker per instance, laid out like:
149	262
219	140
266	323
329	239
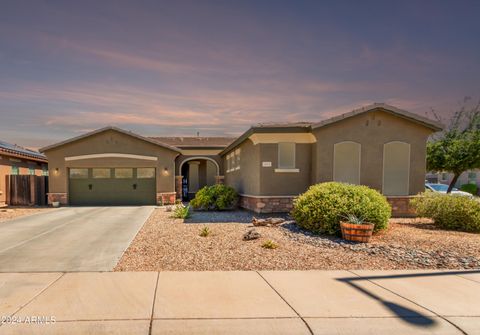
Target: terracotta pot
357	232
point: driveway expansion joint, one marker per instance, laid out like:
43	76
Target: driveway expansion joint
38	294
289	305
153	304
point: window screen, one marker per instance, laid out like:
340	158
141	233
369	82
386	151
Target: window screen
286	155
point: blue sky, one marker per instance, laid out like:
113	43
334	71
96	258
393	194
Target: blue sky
177	67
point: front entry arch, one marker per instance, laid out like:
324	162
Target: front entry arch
195	173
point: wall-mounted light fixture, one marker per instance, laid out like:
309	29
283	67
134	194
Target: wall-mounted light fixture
165	171
56	171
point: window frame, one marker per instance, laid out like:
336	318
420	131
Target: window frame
237	159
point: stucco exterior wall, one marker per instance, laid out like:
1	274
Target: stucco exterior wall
246	180
284	183
110	141
372	130
254	179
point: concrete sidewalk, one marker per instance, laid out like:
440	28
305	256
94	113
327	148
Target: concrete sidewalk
264	302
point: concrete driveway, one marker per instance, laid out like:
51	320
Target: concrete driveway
69	239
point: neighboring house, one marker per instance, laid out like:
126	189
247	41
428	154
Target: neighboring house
379	146
468	177
16	160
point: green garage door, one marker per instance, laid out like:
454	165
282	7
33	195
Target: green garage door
112	186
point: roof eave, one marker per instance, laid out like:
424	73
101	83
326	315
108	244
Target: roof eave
22	156
258	129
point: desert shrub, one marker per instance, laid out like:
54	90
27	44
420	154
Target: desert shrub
216	197
269	244
449	211
321	208
205	231
181	212
470	188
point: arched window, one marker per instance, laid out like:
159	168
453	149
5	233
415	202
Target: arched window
346	162
396	168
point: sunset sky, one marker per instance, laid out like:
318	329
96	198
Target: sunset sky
162	68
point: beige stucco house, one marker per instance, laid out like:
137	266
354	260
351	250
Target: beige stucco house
378	145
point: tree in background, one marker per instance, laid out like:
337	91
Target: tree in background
457	148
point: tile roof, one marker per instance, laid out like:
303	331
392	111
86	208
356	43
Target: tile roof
182	142
21	151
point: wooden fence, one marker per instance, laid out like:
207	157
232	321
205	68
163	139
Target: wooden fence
26	190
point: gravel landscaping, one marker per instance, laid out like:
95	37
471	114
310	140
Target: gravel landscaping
9	213
168	244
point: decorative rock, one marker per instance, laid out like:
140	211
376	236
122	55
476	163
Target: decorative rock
442	259
267	222
252	234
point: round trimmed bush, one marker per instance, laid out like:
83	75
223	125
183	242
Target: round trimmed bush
449	211
214	198
321	208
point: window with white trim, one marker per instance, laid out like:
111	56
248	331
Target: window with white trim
229	163
286	155
237	159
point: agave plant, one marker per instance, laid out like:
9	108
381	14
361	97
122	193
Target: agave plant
352	218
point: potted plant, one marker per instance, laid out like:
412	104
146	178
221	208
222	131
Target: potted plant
356	229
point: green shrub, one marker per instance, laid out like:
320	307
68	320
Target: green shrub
181	212
323	206
205	232
269	244
449	211
216	197
470	188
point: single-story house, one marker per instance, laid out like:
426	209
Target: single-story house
17	160
379	145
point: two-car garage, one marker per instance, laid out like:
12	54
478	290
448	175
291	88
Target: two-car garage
112	186
111	166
